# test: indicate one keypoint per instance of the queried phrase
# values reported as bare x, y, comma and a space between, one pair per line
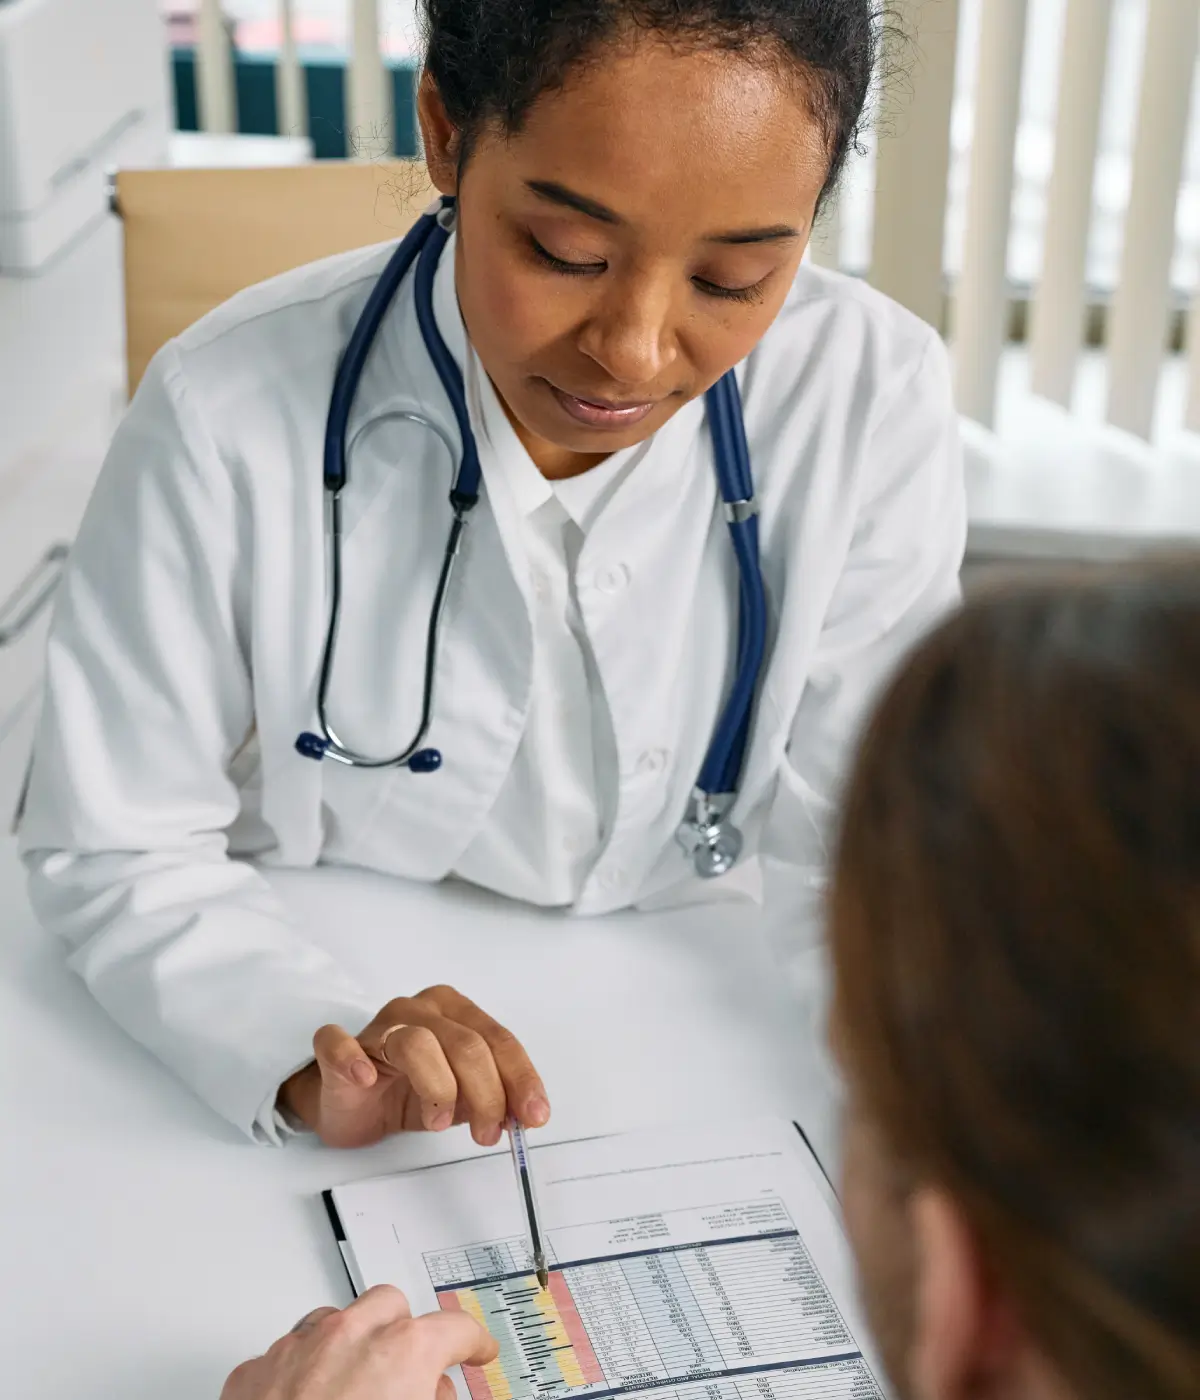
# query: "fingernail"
537, 1112
489, 1137
362, 1073
442, 1120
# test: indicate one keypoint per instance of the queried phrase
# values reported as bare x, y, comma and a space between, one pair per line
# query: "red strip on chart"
575, 1330
476, 1380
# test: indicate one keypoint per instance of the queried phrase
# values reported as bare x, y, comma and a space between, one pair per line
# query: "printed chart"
745, 1316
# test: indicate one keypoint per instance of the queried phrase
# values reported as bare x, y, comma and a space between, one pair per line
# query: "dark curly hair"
492, 59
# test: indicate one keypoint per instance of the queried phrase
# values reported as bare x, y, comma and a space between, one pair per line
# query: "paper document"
694, 1264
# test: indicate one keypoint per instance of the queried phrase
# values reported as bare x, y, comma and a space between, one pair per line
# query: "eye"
751, 294
572, 269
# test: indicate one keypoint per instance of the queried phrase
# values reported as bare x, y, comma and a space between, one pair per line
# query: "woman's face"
632, 242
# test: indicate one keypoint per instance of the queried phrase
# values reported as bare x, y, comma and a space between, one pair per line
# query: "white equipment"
83, 88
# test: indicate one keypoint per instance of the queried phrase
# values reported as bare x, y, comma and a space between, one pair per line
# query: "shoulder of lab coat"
266, 350
895, 576
186, 949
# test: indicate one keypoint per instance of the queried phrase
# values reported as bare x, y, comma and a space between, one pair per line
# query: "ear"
441, 138
950, 1323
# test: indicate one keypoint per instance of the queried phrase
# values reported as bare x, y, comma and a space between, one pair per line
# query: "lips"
602, 413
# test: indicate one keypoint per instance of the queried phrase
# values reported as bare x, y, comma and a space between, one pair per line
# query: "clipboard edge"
339, 1236
812, 1152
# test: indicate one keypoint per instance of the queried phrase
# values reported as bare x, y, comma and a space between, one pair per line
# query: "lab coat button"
541, 586
612, 579
577, 845
652, 762
611, 878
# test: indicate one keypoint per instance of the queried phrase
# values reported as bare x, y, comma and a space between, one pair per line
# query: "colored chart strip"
484, 1382
544, 1347
581, 1347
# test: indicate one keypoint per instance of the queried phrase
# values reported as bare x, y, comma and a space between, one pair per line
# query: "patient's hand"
448, 1063
373, 1350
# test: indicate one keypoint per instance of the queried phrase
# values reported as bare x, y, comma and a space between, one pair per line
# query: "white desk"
1053, 487
148, 1249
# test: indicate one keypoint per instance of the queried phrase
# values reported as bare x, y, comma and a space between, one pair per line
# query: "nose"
631, 333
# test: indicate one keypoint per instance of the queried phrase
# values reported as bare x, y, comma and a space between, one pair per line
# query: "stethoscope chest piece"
708, 836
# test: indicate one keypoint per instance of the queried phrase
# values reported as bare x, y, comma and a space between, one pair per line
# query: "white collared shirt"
546, 829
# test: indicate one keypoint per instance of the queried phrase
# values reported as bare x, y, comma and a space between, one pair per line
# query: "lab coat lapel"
289, 544
392, 561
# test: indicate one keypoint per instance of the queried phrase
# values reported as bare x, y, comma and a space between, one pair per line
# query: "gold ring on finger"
383, 1040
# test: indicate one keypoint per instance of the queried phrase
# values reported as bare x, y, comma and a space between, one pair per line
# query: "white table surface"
147, 1248
1058, 488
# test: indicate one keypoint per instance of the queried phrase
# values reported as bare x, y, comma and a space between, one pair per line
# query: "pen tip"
543, 1277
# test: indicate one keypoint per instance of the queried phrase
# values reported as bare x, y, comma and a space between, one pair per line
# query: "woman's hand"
449, 1063
373, 1350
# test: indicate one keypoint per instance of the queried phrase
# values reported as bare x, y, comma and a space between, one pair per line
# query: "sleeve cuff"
273, 1125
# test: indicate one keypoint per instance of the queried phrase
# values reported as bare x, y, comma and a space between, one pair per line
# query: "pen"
520, 1156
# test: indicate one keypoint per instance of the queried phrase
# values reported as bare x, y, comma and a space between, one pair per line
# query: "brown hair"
1016, 931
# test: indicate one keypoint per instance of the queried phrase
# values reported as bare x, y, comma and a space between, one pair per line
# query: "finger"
312, 1318
245, 1381
344, 1063
380, 1306
479, 1093
443, 1339
445, 1389
481, 1097
417, 1054
524, 1091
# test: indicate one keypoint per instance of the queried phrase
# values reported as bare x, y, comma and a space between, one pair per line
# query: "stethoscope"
706, 833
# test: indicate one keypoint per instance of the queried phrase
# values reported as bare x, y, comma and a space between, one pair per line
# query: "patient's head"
1016, 928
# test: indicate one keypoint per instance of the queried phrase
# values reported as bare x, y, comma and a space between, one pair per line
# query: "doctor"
632, 184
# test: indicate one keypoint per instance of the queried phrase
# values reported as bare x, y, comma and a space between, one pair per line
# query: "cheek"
855, 1188
504, 303
877, 1224
723, 338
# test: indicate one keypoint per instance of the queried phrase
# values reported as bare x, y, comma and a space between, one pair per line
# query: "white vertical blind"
913, 160
290, 97
215, 94
1137, 334
1058, 306
368, 102
981, 303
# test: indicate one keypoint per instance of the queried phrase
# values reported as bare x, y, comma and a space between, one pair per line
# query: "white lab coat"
190, 620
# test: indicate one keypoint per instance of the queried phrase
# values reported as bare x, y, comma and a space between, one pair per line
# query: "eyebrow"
592, 209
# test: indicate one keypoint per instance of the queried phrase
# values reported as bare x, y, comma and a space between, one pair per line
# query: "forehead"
666, 134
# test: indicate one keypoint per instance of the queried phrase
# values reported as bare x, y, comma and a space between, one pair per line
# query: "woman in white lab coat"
636, 183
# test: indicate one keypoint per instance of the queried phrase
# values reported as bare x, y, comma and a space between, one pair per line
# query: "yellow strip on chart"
494, 1371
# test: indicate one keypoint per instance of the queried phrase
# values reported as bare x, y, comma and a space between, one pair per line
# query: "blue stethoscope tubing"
706, 832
